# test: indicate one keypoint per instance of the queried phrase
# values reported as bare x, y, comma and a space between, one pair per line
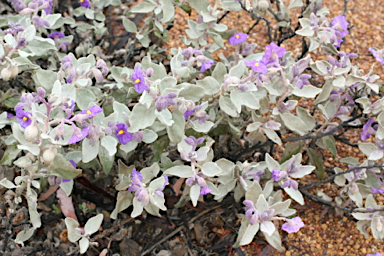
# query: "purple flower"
237, 38
377, 191
70, 110
138, 80
85, 3
9, 115
39, 23
78, 135
159, 191
18, 5
137, 178
251, 212
257, 66
101, 64
141, 193
243, 87
275, 175
303, 80
340, 24
368, 130
188, 113
192, 141
23, 117
205, 191
13, 29
56, 34
163, 102
375, 254
206, 65
121, 133
48, 10
290, 183
293, 225
377, 54
199, 180
91, 112
273, 53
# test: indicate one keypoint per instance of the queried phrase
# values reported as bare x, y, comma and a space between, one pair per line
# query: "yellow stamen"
25, 118
81, 1
137, 81
89, 112
256, 64
121, 132
237, 36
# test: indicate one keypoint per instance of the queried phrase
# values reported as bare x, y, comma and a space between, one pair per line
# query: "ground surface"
324, 233
210, 228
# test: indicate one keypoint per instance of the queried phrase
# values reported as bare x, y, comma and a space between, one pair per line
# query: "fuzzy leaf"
63, 168
194, 194
129, 25
24, 235
84, 244
123, 201
181, 171
73, 234
210, 169
317, 160
93, 224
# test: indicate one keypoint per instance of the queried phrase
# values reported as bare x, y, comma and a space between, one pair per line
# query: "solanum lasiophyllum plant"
188, 106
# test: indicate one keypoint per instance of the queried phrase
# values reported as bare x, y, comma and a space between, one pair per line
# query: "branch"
318, 136
255, 16
331, 178
222, 17
322, 201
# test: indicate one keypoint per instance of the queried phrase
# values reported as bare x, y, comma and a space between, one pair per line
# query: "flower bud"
149, 72
14, 70
31, 132
183, 108
246, 164
6, 74
51, 180
48, 155
98, 75
263, 5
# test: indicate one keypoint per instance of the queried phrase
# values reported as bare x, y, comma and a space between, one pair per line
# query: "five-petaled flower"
23, 117
293, 225
257, 66
121, 133
368, 130
340, 25
378, 54
92, 111
85, 3
78, 135
272, 53
138, 80
237, 38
